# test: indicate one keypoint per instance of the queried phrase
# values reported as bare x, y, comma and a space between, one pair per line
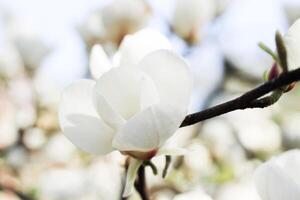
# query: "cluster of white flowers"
116, 78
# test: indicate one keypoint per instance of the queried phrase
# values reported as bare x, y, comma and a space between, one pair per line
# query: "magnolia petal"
133, 167
107, 112
99, 62
148, 129
140, 133
290, 161
292, 42
273, 183
80, 122
134, 47
171, 76
149, 93
121, 88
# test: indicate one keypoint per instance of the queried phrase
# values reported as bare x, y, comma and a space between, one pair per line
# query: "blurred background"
45, 45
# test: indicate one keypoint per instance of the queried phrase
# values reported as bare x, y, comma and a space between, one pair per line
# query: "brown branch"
248, 100
141, 185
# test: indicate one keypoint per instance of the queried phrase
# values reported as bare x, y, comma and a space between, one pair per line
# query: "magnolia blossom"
279, 178
131, 108
28, 42
115, 20
292, 43
132, 49
190, 16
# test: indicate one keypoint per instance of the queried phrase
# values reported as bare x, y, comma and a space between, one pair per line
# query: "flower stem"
141, 185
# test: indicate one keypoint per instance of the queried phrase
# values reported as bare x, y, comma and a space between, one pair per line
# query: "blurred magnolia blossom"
8, 129
105, 179
34, 138
28, 43
198, 162
59, 149
279, 177
262, 135
219, 137
17, 157
133, 109
10, 61
62, 184
22, 94
112, 22
239, 190
241, 32
132, 49
190, 17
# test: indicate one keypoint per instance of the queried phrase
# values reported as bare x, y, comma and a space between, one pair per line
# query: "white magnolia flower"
134, 109
190, 16
292, 42
279, 178
132, 49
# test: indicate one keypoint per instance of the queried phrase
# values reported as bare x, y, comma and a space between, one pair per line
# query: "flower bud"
274, 72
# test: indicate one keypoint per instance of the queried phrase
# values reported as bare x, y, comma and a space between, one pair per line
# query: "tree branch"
248, 100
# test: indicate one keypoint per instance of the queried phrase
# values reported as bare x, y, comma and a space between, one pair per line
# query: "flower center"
141, 155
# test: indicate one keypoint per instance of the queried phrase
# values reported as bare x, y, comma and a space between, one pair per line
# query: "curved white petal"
148, 129
106, 111
99, 62
273, 184
134, 47
171, 76
149, 94
80, 122
292, 41
121, 88
133, 167
278, 178
126, 90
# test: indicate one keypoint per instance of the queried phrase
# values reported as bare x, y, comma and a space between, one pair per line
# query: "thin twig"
248, 100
